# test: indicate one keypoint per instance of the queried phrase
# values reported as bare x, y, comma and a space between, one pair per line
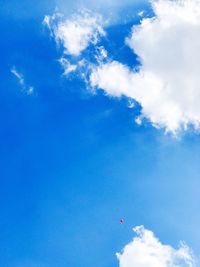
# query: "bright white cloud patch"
167, 85
76, 33
147, 251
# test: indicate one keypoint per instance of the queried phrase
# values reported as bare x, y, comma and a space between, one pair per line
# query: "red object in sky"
121, 221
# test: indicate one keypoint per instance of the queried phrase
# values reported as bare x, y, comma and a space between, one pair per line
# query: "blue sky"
74, 162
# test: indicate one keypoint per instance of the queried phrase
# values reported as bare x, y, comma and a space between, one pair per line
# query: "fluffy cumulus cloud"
77, 32
147, 251
167, 83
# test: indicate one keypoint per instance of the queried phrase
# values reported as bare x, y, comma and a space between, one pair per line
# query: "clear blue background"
73, 164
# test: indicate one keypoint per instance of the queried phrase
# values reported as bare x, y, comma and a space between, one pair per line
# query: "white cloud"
20, 77
147, 251
167, 84
101, 54
76, 33
67, 66
30, 90
141, 13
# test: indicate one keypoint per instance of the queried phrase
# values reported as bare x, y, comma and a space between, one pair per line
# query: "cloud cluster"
147, 251
167, 84
76, 33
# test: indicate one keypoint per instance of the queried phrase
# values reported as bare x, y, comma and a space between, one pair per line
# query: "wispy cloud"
20, 77
67, 66
77, 32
